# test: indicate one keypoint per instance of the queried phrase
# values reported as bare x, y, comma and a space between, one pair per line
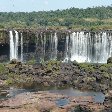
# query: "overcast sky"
40, 5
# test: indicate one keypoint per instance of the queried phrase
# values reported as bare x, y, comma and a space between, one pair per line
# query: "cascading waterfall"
11, 45
94, 47
86, 48
44, 45
102, 47
66, 49
14, 44
21, 47
53, 46
79, 47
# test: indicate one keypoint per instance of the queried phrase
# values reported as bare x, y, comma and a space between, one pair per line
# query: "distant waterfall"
44, 46
102, 47
87, 48
53, 46
14, 45
79, 47
21, 47
66, 49
12, 54
93, 47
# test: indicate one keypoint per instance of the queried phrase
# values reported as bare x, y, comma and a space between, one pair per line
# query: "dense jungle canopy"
73, 18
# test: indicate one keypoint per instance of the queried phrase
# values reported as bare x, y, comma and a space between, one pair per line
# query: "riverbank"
44, 101
83, 76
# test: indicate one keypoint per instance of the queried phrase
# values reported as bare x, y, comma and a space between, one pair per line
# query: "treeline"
73, 18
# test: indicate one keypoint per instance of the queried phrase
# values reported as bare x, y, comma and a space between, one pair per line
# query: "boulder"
109, 60
13, 61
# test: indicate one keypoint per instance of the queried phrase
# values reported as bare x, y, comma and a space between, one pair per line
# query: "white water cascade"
14, 43
87, 48
21, 47
53, 46
66, 49
79, 47
12, 54
102, 47
93, 47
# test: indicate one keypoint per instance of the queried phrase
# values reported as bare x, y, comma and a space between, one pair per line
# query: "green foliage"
50, 64
53, 66
2, 68
31, 62
87, 67
9, 81
105, 67
90, 18
106, 75
89, 79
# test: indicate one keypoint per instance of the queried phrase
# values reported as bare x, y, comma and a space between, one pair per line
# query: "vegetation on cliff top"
73, 18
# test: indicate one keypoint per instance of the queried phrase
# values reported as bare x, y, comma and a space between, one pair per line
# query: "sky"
46, 5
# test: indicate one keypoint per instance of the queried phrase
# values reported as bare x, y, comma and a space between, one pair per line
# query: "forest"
74, 18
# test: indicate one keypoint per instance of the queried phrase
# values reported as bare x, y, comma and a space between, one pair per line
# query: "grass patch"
87, 66
2, 68
31, 62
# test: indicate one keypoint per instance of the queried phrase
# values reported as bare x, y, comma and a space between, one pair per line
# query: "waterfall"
21, 47
51, 46
79, 47
44, 46
104, 47
14, 43
96, 48
66, 49
55, 45
12, 56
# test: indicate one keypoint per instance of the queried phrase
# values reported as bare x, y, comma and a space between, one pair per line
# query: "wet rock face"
81, 109
109, 60
4, 58
109, 96
4, 52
